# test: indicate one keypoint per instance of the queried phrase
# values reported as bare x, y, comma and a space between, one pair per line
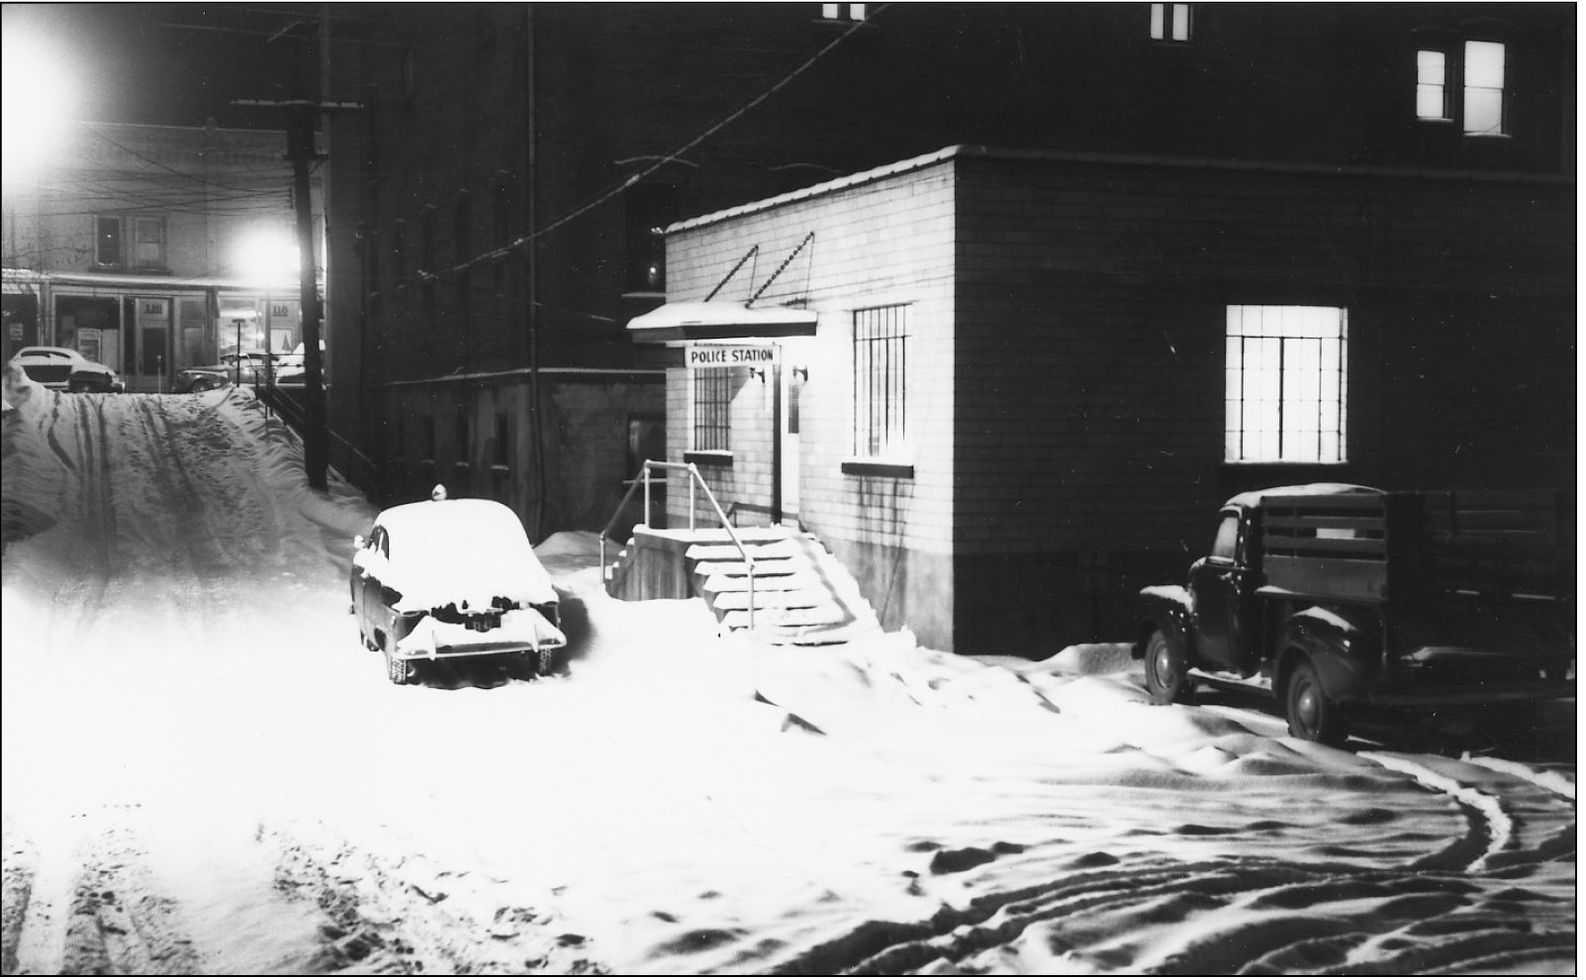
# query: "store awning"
677, 323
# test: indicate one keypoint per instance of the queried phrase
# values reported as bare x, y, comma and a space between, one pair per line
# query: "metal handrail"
695, 480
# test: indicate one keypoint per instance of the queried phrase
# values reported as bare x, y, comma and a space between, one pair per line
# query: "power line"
635, 178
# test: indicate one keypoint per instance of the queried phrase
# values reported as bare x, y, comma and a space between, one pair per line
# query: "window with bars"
713, 409
1287, 386
1170, 22
881, 339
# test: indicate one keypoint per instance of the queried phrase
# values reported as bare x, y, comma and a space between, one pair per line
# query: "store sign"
731, 355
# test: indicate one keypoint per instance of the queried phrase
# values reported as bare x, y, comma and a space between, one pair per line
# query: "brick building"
1012, 387
494, 203
149, 248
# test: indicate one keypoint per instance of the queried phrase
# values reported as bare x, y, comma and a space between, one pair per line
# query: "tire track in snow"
1490, 828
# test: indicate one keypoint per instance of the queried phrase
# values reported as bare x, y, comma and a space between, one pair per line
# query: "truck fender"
1167, 609
1334, 641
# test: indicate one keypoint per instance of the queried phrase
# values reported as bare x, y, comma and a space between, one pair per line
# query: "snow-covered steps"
802, 595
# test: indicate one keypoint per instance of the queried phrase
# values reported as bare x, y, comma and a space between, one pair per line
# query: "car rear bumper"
521, 631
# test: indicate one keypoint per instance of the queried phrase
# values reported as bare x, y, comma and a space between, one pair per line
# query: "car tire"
1312, 715
546, 663
1166, 670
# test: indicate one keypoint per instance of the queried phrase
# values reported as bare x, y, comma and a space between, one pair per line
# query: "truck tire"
397, 670
1312, 715
1166, 670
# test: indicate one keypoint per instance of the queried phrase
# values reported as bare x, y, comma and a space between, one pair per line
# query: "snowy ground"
203, 771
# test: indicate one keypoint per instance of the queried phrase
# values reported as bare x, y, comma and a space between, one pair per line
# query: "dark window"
500, 228
1170, 22
650, 208
107, 241
881, 337
427, 428
148, 243
712, 409
399, 250
462, 246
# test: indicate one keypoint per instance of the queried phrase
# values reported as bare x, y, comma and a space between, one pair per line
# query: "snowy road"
205, 772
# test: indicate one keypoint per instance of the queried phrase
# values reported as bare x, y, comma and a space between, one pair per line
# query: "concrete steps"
802, 595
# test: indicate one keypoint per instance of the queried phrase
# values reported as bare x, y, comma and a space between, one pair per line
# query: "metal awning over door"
681, 323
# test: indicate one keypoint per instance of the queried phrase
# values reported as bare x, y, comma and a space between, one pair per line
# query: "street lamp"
38, 100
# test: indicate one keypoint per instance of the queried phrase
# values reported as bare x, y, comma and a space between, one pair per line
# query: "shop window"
148, 243
712, 403
1286, 384
650, 208
881, 337
1170, 22
107, 242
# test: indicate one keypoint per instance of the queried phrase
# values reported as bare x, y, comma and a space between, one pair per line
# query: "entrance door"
793, 376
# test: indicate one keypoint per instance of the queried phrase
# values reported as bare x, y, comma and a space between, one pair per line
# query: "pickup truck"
1345, 596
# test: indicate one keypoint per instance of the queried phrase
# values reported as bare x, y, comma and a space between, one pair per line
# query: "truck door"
1218, 584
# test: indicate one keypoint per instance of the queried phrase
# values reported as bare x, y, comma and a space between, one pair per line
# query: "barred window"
881, 337
713, 409
1286, 384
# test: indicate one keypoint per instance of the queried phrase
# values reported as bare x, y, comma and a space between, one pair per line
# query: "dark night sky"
172, 63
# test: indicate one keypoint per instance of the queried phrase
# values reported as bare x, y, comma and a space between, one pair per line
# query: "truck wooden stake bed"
1345, 596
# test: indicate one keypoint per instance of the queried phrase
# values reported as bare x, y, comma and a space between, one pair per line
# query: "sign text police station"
731, 355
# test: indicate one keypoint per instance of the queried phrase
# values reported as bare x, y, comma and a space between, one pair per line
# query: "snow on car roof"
439, 520
1253, 498
65, 352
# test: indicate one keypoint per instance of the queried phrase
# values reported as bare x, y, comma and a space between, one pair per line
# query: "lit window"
1286, 385
712, 409
1484, 88
1431, 85
148, 243
843, 11
881, 337
107, 241
1170, 22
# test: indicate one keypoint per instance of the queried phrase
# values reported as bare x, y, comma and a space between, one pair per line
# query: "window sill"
1500, 137
836, 23
876, 467
643, 296
1272, 464
709, 457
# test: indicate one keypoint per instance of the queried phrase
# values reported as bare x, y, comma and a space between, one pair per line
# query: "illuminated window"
712, 409
1431, 85
1170, 22
881, 338
1286, 385
1484, 88
843, 11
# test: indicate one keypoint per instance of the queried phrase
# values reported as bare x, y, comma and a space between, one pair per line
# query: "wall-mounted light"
802, 373
758, 374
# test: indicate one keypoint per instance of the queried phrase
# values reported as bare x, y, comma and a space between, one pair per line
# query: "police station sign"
731, 355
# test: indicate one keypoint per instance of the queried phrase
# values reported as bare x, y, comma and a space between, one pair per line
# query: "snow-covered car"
453, 578
64, 369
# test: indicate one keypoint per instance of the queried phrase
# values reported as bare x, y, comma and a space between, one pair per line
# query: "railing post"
647, 493
693, 484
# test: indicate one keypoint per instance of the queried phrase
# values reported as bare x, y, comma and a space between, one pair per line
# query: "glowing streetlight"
38, 99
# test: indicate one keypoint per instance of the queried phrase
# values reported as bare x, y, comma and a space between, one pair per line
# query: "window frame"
101, 223
881, 429
1466, 88
844, 13
1167, 20
710, 398
1249, 418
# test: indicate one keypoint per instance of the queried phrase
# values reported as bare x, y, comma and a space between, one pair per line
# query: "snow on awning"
675, 323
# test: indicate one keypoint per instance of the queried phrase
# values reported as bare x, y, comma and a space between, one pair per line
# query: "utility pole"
300, 151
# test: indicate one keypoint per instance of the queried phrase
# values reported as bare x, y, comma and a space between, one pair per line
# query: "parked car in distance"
64, 369
453, 578
249, 368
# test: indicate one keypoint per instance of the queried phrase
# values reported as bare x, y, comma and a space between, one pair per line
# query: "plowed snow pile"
204, 771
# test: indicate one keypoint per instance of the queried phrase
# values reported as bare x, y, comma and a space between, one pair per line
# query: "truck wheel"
1166, 670
1312, 715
